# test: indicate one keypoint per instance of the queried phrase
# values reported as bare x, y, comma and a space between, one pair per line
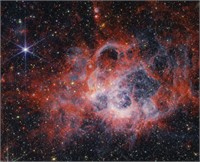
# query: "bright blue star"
26, 50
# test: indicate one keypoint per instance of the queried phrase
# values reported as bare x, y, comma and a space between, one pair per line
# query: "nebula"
100, 81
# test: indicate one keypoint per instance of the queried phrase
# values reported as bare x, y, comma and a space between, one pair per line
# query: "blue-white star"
25, 50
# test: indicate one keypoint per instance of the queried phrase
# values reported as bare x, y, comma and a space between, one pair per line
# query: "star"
25, 50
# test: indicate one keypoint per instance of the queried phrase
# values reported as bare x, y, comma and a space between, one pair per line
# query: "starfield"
94, 80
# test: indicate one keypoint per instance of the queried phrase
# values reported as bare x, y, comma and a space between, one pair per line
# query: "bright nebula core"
99, 81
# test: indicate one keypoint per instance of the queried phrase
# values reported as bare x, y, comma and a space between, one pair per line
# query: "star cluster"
97, 80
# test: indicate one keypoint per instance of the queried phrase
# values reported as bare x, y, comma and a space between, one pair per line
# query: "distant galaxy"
100, 81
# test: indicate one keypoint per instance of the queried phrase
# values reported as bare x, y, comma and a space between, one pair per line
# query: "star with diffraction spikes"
25, 50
